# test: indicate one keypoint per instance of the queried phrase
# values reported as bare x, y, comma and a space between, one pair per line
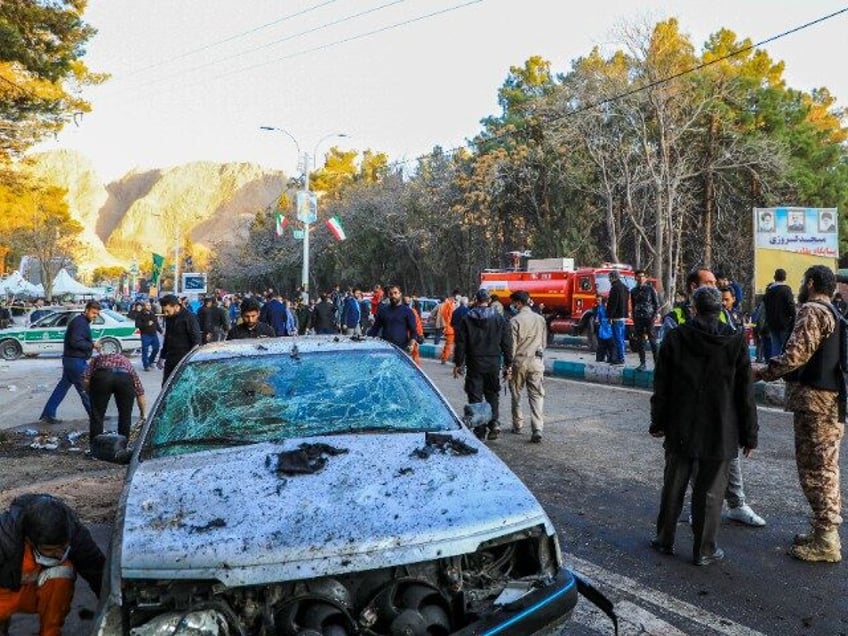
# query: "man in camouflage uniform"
815, 393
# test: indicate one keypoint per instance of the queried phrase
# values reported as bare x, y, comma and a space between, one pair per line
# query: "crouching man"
42, 548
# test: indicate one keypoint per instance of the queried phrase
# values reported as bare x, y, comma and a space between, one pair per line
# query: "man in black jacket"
483, 341
250, 326
646, 305
75, 354
779, 304
149, 328
213, 320
182, 334
42, 547
617, 312
703, 404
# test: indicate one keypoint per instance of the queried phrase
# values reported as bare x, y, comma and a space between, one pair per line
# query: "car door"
98, 328
43, 336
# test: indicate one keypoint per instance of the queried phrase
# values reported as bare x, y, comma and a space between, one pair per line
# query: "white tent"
64, 285
19, 286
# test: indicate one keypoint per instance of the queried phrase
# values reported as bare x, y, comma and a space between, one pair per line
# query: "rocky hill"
150, 211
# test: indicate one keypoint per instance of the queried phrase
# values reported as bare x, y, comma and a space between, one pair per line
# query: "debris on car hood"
307, 459
364, 510
444, 443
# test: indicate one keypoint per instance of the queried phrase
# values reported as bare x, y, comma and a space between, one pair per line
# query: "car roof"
286, 345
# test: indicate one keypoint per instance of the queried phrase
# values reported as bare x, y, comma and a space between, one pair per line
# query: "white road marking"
632, 620
605, 579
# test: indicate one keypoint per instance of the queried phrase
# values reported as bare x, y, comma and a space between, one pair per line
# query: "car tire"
10, 349
110, 345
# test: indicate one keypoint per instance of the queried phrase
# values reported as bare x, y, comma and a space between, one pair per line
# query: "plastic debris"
45, 442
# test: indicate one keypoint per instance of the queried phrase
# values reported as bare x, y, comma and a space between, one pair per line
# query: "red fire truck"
564, 293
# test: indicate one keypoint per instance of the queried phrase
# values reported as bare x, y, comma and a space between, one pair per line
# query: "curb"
765, 393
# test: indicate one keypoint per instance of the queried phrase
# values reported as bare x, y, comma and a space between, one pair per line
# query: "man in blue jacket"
75, 354
395, 321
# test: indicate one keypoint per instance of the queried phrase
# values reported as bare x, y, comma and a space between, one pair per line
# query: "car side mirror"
476, 415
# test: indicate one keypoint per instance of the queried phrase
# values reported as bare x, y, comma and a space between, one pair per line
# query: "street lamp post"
305, 218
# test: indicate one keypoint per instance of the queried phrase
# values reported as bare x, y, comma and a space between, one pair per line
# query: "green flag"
158, 261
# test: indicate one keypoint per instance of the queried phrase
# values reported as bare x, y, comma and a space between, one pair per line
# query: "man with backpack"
813, 364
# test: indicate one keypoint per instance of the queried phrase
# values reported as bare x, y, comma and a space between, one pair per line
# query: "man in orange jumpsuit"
419, 331
42, 548
446, 311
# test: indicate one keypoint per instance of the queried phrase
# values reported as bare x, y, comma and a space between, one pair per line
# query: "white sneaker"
744, 514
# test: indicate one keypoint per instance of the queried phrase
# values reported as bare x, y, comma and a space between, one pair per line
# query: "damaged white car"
323, 486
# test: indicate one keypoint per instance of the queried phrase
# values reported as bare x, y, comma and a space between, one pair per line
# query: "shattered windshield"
274, 397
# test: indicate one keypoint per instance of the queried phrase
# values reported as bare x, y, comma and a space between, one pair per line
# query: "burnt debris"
305, 460
443, 443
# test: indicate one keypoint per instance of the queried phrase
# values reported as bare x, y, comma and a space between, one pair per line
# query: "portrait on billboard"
796, 221
765, 222
826, 221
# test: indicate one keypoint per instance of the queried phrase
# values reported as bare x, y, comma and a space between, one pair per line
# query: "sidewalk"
570, 358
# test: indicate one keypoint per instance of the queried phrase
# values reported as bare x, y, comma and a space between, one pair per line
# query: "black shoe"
718, 555
641, 367
536, 438
480, 432
662, 548
49, 420
494, 433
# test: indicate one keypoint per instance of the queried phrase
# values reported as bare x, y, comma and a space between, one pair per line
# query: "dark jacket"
78, 342
274, 313
212, 319
779, 303
644, 301
324, 317
241, 332
483, 337
147, 324
182, 334
87, 558
703, 392
395, 323
617, 300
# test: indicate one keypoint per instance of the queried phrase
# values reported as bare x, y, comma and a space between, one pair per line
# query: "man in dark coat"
251, 326
703, 404
213, 320
42, 547
395, 321
324, 316
617, 312
75, 354
483, 340
274, 313
779, 304
182, 334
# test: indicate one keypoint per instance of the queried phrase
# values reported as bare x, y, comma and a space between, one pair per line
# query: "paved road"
598, 475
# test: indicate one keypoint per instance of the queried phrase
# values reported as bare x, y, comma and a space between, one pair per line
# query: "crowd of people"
702, 404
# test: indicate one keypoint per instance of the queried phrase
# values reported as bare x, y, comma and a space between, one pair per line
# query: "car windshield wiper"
204, 441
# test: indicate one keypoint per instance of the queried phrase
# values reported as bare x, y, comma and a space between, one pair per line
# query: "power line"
231, 38
353, 37
339, 42
272, 43
651, 85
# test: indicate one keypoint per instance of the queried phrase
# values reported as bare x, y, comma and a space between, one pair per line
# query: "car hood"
227, 515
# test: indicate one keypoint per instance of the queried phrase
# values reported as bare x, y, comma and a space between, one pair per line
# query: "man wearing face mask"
43, 546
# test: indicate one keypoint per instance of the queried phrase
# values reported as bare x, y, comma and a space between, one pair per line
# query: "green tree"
41, 71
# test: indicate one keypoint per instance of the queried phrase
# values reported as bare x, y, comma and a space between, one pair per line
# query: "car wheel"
110, 345
10, 349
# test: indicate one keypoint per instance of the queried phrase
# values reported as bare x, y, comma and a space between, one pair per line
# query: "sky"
194, 80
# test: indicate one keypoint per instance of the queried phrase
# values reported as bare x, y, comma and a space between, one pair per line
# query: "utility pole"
304, 276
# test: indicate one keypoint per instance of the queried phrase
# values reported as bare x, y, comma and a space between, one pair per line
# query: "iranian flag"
280, 223
335, 226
